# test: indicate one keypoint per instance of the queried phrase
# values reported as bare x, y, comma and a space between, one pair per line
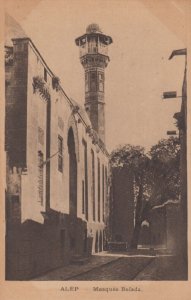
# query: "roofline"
61, 88
28, 39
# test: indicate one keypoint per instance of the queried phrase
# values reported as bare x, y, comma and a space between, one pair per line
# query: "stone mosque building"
57, 162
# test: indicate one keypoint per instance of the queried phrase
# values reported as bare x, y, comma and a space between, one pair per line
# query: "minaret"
94, 58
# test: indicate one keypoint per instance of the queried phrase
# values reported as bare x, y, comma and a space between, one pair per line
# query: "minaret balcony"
94, 60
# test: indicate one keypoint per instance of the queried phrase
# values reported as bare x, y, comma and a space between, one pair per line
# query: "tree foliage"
156, 176
165, 170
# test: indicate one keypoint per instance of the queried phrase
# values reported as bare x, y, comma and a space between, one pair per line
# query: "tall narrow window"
106, 183
103, 193
60, 153
93, 81
98, 179
85, 178
93, 185
86, 82
83, 197
40, 177
101, 82
45, 74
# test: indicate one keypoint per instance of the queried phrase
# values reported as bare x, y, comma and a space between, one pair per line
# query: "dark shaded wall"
16, 104
34, 248
173, 228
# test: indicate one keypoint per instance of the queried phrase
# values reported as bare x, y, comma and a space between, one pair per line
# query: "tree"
165, 171
137, 162
156, 177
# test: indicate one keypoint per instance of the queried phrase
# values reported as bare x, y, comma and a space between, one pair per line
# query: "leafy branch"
40, 85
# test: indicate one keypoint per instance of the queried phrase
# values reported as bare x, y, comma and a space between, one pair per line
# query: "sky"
139, 70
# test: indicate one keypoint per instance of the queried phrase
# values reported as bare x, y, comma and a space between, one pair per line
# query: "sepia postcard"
95, 149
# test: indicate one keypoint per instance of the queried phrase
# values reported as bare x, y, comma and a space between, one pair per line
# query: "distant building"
153, 234
57, 162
